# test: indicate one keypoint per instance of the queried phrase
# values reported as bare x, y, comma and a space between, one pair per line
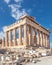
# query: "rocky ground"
27, 56
43, 61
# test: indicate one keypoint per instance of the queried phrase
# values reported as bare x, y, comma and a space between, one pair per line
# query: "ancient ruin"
26, 32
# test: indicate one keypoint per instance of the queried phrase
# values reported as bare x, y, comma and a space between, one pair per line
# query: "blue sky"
12, 10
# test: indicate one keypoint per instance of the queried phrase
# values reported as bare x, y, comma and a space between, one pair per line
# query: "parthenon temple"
26, 32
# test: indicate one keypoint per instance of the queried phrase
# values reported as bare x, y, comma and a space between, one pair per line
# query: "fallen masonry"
21, 56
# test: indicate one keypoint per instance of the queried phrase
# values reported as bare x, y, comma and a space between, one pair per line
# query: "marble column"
15, 42
10, 43
35, 38
6, 44
20, 35
25, 35
30, 35
3, 42
41, 39
46, 41
49, 41
38, 41
48, 44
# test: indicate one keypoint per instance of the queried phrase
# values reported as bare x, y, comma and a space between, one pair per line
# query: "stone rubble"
12, 57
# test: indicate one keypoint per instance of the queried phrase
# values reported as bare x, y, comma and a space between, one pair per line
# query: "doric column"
3, 42
48, 39
10, 43
20, 35
38, 41
25, 35
41, 39
6, 44
29, 35
15, 37
44, 40
35, 37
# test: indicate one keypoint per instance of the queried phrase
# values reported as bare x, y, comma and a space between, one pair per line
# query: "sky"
12, 10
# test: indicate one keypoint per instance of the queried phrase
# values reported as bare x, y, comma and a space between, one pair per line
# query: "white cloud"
18, 14
14, 7
7, 1
15, 10
2, 33
17, 0
4, 28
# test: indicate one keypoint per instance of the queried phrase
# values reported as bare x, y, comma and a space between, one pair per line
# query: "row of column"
20, 36
42, 39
